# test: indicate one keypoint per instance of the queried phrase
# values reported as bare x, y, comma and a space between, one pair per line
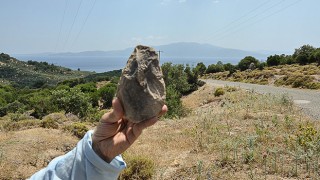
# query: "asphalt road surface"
308, 100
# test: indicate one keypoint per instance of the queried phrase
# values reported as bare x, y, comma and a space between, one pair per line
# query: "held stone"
141, 89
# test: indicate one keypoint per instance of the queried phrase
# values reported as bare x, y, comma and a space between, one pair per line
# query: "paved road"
308, 100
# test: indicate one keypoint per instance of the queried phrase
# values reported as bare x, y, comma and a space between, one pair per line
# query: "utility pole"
159, 52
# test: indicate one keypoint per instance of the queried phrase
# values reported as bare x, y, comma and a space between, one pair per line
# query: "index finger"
115, 115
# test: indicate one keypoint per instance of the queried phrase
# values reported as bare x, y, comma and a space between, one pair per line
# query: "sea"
100, 64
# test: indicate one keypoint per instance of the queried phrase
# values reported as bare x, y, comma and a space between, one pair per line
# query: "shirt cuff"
116, 165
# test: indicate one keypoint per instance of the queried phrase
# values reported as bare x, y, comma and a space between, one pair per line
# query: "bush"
245, 63
23, 124
107, 93
49, 124
139, 167
219, 92
77, 129
53, 120
174, 103
73, 101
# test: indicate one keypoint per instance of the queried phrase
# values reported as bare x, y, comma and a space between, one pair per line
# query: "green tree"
303, 55
214, 68
200, 68
175, 76
90, 89
245, 63
316, 56
72, 101
174, 103
273, 60
229, 67
107, 93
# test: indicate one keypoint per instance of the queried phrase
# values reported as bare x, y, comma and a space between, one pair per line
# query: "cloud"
216, 1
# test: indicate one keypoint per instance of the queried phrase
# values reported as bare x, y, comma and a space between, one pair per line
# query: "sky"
37, 26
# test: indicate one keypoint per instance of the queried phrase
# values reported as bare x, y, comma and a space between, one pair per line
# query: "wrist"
96, 148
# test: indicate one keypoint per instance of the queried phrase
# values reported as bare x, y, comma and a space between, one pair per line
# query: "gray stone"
141, 89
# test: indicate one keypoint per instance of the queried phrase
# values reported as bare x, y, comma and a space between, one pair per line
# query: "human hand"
114, 134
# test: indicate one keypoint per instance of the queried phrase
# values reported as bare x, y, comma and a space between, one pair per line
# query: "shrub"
219, 92
77, 129
139, 167
245, 63
107, 93
49, 124
174, 103
73, 101
23, 124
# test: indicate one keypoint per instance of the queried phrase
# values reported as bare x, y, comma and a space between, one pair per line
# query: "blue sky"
36, 26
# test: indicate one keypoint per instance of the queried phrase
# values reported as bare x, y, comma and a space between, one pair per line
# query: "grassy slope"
22, 74
307, 76
241, 135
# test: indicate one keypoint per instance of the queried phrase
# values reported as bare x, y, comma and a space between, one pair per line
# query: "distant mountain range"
180, 49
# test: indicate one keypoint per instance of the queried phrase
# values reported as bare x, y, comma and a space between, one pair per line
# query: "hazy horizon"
74, 26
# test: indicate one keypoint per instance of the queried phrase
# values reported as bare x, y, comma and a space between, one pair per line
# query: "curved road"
308, 100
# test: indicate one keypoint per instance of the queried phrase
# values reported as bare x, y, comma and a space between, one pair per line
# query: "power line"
84, 22
241, 17
226, 33
263, 18
64, 13
74, 20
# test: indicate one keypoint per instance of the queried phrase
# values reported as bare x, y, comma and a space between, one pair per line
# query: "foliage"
306, 135
316, 56
33, 74
72, 101
303, 55
200, 68
175, 76
179, 81
19, 125
214, 68
174, 103
49, 124
107, 94
229, 67
77, 129
274, 60
296, 81
219, 92
90, 89
245, 63
139, 167
105, 76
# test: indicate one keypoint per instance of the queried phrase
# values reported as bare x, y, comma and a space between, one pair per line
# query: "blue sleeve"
81, 163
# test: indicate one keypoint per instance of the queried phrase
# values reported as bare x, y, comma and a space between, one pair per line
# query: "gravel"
307, 100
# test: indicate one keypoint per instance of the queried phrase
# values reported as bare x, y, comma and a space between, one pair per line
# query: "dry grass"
24, 152
242, 135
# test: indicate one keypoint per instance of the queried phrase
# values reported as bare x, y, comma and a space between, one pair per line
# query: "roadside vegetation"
299, 70
236, 134
208, 133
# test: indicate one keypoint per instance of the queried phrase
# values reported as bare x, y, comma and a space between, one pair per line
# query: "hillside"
34, 74
239, 135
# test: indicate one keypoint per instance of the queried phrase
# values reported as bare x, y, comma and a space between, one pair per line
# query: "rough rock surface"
141, 89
